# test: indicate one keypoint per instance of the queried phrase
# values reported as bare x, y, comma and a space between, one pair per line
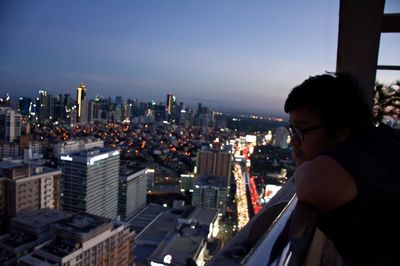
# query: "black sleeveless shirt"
366, 230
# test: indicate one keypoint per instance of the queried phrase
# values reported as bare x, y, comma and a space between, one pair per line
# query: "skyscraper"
82, 104
213, 163
25, 106
171, 107
119, 100
132, 193
211, 192
58, 107
281, 138
96, 109
43, 106
169, 103
90, 182
10, 124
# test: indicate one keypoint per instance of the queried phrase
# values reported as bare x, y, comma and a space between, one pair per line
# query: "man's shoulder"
322, 166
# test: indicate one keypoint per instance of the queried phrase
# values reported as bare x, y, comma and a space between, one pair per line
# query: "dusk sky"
236, 55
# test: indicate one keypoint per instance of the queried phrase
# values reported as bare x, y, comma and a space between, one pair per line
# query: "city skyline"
227, 54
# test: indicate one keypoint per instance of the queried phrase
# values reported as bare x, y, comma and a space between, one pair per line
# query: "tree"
386, 107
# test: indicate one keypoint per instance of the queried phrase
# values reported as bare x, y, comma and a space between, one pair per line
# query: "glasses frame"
298, 133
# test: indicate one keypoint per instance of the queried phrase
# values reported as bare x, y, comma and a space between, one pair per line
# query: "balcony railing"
283, 233
286, 242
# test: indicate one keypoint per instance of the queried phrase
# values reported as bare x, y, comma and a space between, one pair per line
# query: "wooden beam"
360, 26
386, 67
391, 22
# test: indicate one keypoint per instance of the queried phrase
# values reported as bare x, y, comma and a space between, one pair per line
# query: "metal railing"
286, 242
279, 235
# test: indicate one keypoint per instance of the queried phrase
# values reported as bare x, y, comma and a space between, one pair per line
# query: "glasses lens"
295, 133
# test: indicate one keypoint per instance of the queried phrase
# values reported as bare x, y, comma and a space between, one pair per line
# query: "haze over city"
234, 55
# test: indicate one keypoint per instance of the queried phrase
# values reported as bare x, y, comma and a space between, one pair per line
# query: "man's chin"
297, 159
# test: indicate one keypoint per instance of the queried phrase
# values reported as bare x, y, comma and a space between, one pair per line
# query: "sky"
227, 54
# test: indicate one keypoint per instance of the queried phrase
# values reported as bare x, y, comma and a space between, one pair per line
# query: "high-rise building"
5, 101
75, 145
67, 100
135, 109
96, 109
67, 105
187, 182
85, 240
90, 182
43, 106
160, 112
25, 106
119, 100
10, 124
82, 104
213, 163
61, 106
72, 115
58, 104
171, 107
29, 188
9, 150
281, 138
126, 112
132, 193
213, 169
211, 192
170, 98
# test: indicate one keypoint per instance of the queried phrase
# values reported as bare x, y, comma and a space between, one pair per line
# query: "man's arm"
324, 184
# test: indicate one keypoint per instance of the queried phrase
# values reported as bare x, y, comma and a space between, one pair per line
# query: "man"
348, 169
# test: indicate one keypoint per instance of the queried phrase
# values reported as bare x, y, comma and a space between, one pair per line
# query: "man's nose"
295, 142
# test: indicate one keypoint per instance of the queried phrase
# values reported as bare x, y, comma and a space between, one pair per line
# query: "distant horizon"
192, 104
227, 54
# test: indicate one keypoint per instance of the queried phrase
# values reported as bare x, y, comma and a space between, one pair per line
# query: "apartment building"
85, 239
132, 193
27, 187
90, 182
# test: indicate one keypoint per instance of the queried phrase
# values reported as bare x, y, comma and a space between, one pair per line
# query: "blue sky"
238, 55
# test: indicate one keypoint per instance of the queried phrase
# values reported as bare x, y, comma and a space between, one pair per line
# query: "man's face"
312, 137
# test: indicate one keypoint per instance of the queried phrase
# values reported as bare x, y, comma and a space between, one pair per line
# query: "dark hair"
336, 97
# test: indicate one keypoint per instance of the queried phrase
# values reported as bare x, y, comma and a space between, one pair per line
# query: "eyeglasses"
297, 134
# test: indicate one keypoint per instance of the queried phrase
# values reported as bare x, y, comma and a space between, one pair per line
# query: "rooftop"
90, 152
82, 226
180, 248
90, 156
155, 232
6, 255
218, 181
15, 239
129, 174
166, 233
38, 219
16, 170
143, 218
60, 247
204, 215
32, 259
